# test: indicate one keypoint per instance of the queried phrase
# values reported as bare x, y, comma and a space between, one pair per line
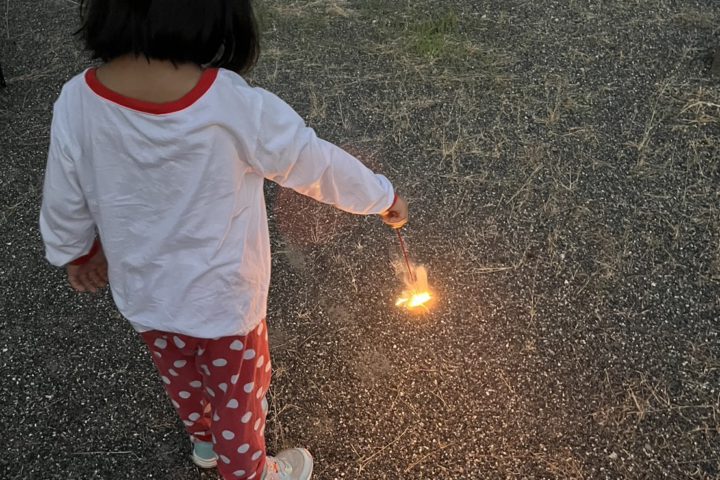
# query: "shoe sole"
311, 462
204, 462
308, 464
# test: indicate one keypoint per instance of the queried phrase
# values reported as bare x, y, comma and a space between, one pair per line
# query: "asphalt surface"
562, 164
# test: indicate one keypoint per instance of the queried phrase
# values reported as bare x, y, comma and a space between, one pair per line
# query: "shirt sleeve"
290, 154
66, 225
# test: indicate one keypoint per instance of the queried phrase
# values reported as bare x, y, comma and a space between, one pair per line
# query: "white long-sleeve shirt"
175, 192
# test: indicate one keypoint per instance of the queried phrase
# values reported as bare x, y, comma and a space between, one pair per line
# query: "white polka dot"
178, 342
165, 380
158, 354
173, 372
249, 354
264, 405
179, 363
257, 424
194, 416
259, 393
188, 423
205, 369
175, 404
228, 435
232, 404
196, 384
252, 476
246, 418
262, 431
184, 394
210, 391
243, 448
260, 361
214, 440
257, 455
225, 459
249, 387
239, 473
236, 345
267, 367
216, 417
234, 379
161, 343
223, 387
201, 351
260, 328
219, 362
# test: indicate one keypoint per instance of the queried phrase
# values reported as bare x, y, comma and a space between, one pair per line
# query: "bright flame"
416, 294
415, 300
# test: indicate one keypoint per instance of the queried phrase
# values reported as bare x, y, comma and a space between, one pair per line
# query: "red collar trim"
206, 80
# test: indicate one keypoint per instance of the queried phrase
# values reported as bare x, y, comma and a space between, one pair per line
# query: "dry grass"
643, 400
338, 8
545, 179
278, 408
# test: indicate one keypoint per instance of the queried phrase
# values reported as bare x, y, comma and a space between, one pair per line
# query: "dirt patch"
371, 366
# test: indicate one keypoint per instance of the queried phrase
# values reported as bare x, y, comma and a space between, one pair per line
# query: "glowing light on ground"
417, 295
415, 300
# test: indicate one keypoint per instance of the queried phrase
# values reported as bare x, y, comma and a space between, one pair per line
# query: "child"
154, 183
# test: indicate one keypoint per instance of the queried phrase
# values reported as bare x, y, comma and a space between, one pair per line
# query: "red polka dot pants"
218, 388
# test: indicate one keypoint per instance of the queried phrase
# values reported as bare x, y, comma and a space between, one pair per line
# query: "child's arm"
66, 225
290, 153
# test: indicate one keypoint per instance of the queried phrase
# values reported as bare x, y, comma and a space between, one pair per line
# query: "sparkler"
416, 294
405, 255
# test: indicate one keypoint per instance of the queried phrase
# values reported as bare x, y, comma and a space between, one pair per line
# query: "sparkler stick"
405, 255
416, 295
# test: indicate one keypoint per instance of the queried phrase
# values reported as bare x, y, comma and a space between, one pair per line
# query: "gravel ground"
562, 163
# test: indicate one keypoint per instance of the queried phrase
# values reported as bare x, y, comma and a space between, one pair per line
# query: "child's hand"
397, 215
90, 276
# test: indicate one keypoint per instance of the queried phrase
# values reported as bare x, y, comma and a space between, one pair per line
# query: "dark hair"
218, 33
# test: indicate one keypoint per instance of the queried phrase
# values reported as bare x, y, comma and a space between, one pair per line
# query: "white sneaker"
291, 464
203, 455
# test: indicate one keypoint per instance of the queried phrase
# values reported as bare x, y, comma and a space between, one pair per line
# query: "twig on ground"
363, 462
528, 181
421, 460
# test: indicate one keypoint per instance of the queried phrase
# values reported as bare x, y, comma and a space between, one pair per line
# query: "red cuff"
86, 258
393, 203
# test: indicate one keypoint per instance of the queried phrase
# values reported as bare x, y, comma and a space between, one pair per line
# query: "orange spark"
416, 295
